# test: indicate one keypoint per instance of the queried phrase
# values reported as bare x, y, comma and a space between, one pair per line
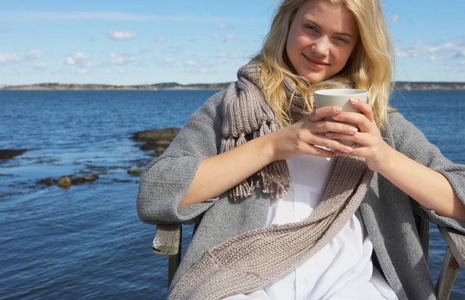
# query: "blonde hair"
369, 68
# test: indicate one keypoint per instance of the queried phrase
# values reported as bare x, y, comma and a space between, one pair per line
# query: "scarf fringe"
247, 114
274, 178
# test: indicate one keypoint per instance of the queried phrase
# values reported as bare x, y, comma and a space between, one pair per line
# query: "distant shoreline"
106, 87
400, 85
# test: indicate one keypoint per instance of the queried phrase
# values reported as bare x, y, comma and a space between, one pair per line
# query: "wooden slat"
173, 264
423, 231
456, 243
447, 276
167, 240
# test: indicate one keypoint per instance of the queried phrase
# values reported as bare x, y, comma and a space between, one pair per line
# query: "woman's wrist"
385, 163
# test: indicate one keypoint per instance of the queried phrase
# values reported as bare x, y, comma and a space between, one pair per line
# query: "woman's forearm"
220, 173
426, 186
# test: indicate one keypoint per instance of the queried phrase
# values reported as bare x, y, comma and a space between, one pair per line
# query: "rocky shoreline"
6, 154
156, 140
153, 142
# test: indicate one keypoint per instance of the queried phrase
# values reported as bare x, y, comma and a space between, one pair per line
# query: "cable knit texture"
246, 115
249, 261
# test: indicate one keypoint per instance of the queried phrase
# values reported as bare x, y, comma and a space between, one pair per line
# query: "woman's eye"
312, 28
341, 39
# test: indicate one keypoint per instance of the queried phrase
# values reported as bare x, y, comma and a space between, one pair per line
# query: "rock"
145, 135
10, 153
134, 172
84, 179
64, 182
47, 181
67, 181
159, 150
10, 194
156, 139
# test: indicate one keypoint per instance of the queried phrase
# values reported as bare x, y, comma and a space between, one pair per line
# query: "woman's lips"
315, 62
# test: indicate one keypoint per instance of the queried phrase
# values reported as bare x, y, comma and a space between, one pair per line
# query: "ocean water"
87, 241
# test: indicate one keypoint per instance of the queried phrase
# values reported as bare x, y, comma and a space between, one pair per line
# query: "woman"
280, 217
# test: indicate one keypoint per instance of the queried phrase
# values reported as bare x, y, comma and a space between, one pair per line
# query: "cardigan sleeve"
166, 180
409, 140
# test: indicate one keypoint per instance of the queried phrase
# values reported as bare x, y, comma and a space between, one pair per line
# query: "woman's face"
321, 39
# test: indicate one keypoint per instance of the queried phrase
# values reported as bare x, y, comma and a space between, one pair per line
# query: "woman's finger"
324, 112
356, 119
331, 126
365, 108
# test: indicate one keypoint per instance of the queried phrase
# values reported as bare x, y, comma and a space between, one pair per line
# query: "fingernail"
337, 109
353, 130
349, 149
353, 100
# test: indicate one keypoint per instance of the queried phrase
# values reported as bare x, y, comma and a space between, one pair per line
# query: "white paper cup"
340, 97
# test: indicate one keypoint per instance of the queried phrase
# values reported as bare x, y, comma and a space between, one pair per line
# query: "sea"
86, 242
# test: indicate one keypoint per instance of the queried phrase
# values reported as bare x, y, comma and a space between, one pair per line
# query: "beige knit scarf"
249, 261
247, 115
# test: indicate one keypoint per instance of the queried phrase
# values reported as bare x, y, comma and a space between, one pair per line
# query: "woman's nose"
321, 46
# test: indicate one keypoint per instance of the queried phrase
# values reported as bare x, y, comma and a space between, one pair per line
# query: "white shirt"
343, 268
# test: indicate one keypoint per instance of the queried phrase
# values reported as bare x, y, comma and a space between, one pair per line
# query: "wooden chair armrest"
456, 243
167, 240
453, 260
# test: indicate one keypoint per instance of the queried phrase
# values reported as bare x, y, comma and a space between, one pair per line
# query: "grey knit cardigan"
387, 212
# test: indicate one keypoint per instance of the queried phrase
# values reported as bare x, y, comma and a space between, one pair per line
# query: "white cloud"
34, 54
27, 16
230, 39
191, 63
122, 35
160, 40
394, 19
174, 49
8, 58
11, 58
83, 71
215, 36
4, 29
79, 59
438, 51
224, 58
122, 58
40, 65
165, 61
224, 27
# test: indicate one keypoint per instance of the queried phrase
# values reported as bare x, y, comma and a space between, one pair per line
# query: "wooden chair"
167, 241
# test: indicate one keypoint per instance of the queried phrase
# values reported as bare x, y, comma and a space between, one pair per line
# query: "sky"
204, 41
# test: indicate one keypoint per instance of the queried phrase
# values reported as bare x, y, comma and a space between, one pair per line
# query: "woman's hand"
370, 143
219, 173
428, 187
305, 136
